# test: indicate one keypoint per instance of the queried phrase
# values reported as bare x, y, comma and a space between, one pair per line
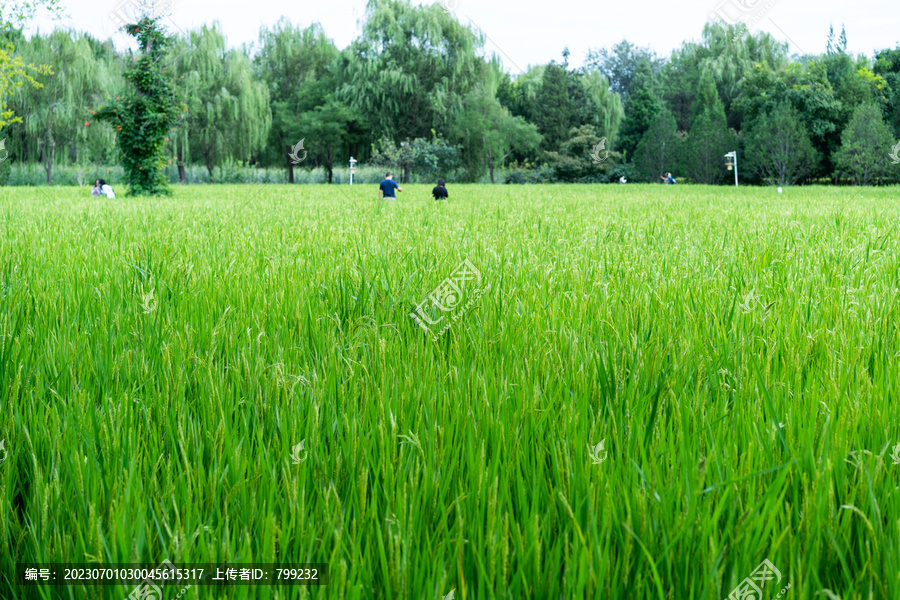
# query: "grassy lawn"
736, 351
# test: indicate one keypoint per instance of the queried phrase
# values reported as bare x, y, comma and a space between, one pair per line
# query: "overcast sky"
524, 32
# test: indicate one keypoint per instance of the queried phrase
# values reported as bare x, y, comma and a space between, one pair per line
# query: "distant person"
668, 179
440, 192
96, 193
387, 187
106, 189
622, 179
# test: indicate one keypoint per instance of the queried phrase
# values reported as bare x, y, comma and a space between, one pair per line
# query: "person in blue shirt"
387, 187
668, 179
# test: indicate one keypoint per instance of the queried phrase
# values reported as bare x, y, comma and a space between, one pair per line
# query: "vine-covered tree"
143, 116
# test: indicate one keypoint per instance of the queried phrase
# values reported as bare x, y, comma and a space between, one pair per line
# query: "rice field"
635, 391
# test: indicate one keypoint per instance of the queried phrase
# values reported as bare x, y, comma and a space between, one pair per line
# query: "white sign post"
352, 168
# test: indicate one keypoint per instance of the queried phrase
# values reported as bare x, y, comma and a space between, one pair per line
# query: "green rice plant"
736, 351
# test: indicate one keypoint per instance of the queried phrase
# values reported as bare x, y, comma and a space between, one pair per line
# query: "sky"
531, 32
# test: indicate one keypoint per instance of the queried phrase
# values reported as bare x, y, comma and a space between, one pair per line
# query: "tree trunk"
179, 160
47, 158
287, 157
209, 166
329, 163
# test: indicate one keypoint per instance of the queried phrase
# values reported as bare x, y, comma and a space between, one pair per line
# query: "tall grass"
737, 350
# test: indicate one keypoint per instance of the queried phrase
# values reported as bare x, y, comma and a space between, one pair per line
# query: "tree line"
420, 93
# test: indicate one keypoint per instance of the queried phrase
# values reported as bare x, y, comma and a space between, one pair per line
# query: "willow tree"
602, 107
14, 71
410, 68
226, 115
57, 116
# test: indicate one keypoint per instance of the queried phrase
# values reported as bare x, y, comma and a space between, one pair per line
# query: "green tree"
725, 53
597, 105
144, 115
490, 134
778, 148
642, 109
625, 65
227, 116
410, 68
865, 147
808, 90
887, 65
709, 137
14, 71
293, 62
660, 148
58, 116
577, 159
553, 112
329, 128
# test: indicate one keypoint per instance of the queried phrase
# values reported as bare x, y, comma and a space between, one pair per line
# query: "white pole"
735, 169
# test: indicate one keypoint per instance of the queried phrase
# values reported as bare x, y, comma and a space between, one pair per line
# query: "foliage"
626, 67
866, 144
58, 120
659, 150
575, 160
778, 148
225, 112
15, 73
298, 66
427, 158
709, 138
145, 114
553, 111
642, 109
417, 72
410, 68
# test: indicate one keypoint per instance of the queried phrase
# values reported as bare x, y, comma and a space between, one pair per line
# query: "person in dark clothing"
440, 192
387, 187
